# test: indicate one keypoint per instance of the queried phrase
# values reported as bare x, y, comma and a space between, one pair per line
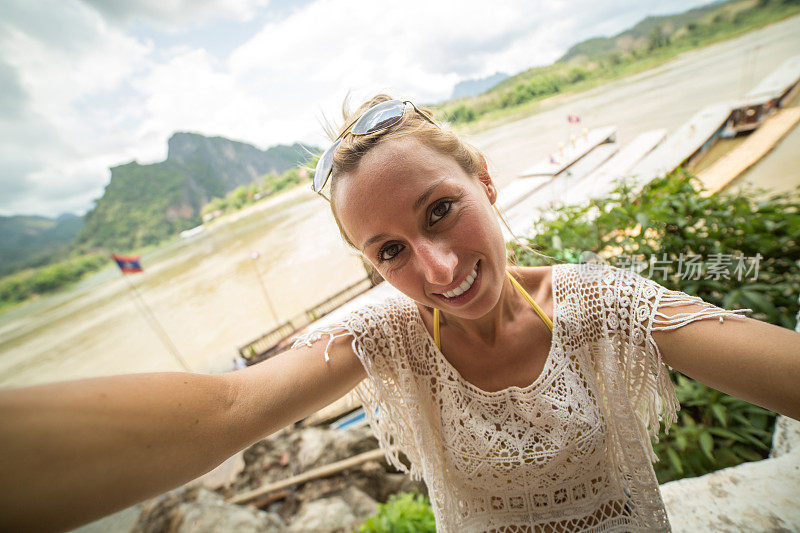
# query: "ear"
486, 181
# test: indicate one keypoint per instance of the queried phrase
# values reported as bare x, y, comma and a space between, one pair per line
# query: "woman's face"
426, 225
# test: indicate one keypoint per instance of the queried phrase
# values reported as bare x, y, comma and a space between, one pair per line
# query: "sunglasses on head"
375, 119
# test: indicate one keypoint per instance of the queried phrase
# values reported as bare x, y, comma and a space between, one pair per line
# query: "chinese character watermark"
716, 266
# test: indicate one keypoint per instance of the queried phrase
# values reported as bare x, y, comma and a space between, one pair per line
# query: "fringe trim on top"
308, 338
660, 400
382, 403
662, 322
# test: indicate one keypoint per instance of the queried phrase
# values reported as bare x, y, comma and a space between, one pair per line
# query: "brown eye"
387, 253
440, 210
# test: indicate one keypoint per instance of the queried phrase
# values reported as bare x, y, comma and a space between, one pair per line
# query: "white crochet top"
571, 451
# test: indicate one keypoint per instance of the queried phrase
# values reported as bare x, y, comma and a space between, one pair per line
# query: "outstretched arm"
71, 452
752, 360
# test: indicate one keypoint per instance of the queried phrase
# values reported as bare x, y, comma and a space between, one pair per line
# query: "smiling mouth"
465, 285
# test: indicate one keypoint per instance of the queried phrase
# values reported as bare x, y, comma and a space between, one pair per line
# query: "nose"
437, 261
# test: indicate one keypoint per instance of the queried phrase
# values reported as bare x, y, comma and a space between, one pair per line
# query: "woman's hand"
752, 360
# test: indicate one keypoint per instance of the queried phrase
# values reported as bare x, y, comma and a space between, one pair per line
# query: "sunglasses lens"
379, 117
323, 168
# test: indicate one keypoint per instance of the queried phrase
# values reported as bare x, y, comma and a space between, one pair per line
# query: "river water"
206, 293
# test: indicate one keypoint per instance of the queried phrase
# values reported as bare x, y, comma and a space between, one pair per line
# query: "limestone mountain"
143, 204
476, 86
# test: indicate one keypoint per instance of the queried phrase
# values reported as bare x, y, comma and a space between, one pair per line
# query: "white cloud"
420, 49
192, 91
61, 59
170, 13
89, 92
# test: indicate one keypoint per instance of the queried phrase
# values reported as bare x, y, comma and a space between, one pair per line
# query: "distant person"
525, 397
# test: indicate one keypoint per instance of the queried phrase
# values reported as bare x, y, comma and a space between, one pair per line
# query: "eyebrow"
373, 239
417, 204
426, 193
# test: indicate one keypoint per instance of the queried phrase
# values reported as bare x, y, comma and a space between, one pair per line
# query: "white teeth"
465, 285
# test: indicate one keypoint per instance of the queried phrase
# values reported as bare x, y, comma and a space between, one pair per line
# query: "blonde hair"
441, 139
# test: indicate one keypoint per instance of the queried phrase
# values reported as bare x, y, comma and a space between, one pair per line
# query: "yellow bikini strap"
535, 306
437, 338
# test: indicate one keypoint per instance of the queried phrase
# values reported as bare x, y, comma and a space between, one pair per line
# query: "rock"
760, 496
293, 451
269, 459
320, 446
756, 497
197, 509
379, 481
327, 515
211, 513
786, 437
360, 503
342, 508
352, 495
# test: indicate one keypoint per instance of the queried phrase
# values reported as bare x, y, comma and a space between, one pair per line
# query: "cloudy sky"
90, 84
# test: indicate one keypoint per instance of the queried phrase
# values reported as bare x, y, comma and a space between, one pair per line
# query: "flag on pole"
573, 119
128, 264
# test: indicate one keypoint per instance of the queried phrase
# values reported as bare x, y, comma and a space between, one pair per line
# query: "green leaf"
719, 413
727, 434
743, 420
755, 442
675, 460
748, 454
730, 299
707, 444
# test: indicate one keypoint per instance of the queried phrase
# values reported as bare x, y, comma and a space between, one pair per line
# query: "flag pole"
254, 256
156, 325
129, 265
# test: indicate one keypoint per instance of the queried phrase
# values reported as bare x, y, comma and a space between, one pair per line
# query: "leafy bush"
245, 195
671, 220
460, 113
406, 512
715, 431
18, 287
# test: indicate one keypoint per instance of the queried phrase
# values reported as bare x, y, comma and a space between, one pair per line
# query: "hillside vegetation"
30, 241
144, 204
245, 195
647, 44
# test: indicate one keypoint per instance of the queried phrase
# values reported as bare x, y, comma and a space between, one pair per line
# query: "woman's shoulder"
384, 315
544, 281
538, 281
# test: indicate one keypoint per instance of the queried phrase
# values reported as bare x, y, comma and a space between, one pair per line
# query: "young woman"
526, 398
